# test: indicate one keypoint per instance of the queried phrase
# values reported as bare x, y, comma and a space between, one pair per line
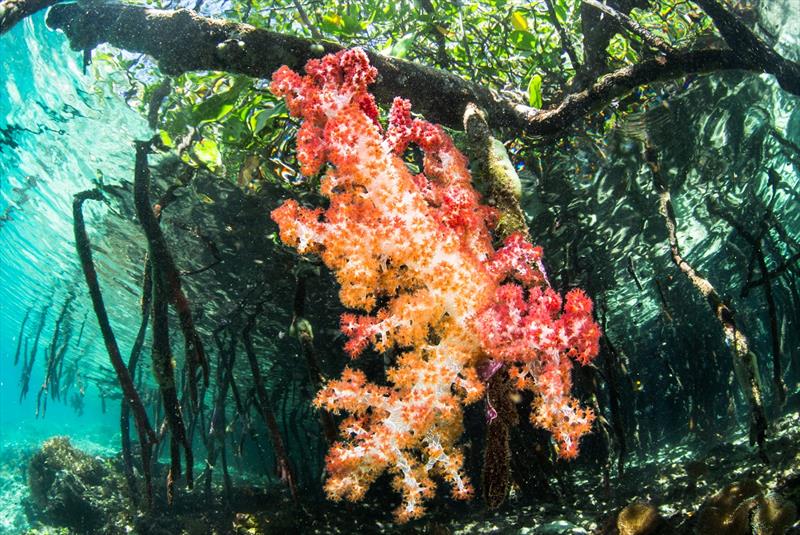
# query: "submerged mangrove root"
55, 356
775, 337
302, 329
166, 288
501, 416
215, 442
755, 242
30, 359
285, 471
743, 359
165, 273
610, 365
133, 360
21, 334
146, 435
495, 170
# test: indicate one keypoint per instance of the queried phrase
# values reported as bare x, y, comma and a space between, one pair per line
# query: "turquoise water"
62, 131
56, 138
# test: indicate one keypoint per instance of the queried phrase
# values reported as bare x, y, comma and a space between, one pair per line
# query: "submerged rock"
723, 511
636, 518
639, 519
13, 488
773, 515
743, 508
70, 488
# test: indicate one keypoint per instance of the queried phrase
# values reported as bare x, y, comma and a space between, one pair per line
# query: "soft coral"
415, 253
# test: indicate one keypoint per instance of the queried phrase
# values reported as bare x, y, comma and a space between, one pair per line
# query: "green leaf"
351, 24
523, 39
332, 22
166, 139
219, 105
259, 120
535, 91
610, 123
207, 152
519, 22
618, 47
262, 118
233, 132
352, 20
561, 12
402, 46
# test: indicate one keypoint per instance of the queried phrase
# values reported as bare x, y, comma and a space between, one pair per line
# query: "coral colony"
414, 253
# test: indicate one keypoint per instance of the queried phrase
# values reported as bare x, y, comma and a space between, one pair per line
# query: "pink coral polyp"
414, 254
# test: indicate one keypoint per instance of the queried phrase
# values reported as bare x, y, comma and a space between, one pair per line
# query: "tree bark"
183, 41
13, 11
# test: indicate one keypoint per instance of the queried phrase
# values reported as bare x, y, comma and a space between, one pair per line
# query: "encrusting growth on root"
744, 361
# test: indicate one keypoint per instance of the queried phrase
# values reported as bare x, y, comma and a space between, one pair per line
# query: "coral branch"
415, 253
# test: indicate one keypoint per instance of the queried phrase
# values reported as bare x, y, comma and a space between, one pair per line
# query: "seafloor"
685, 488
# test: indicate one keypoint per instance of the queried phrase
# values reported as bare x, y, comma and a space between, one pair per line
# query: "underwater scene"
413, 267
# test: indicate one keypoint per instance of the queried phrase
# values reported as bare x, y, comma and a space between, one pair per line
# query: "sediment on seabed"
687, 488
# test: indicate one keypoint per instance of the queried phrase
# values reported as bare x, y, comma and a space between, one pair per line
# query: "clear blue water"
62, 130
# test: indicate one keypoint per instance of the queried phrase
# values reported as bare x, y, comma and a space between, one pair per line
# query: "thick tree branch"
13, 11
620, 82
750, 47
184, 41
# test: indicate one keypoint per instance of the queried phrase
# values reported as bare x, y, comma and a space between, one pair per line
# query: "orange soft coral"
420, 246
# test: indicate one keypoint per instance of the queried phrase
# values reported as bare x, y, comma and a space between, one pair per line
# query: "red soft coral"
415, 254
519, 260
